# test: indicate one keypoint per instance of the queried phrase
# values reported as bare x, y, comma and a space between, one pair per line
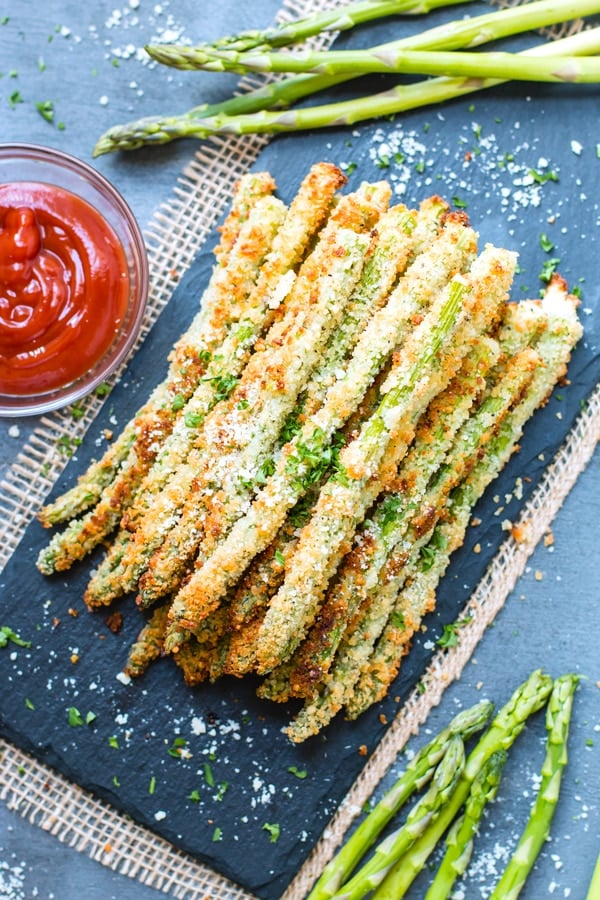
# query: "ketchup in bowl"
73, 279
64, 287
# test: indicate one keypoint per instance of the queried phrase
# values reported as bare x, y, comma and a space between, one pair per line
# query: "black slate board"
477, 154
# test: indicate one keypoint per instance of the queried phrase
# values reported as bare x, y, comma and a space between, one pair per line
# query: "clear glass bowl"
28, 162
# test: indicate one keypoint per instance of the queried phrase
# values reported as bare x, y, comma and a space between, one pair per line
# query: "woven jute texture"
80, 820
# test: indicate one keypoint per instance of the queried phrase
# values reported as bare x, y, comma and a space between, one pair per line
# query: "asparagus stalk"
507, 66
360, 568
420, 817
356, 651
537, 829
148, 645
341, 18
391, 58
388, 255
450, 36
303, 454
249, 113
417, 773
459, 841
594, 888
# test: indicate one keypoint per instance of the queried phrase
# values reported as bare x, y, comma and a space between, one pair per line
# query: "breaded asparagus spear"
305, 216
360, 569
241, 434
229, 291
292, 477
430, 358
248, 190
407, 530
554, 346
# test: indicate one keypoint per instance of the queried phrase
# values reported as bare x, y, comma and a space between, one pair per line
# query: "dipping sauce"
64, 287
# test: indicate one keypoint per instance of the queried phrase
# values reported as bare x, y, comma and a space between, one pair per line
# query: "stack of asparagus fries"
288, 499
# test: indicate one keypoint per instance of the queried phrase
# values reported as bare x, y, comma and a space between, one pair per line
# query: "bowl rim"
48, 401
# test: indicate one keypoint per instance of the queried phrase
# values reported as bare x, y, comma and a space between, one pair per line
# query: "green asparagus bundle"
433, 52
454, 802
417, 773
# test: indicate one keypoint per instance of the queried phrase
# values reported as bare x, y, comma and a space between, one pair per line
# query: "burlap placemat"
75, 817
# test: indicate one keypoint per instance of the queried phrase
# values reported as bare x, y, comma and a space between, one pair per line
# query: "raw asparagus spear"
420, 817
159, 130
417, 773
341, 18
255, 531
249, 189
537, 829
227, 295
459, 841
594, 888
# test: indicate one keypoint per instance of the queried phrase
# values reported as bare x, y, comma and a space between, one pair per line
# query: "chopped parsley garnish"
46, 110
152, 785
194, 796
217, 835
274, 831
542, 177
549, 268
546, 244
28, 703
103, 389
299, 773
350, 168
208, 775
192, 419
177, 403
74, 717
8, 635
113, 742
66, 445
77, 410
14, 99
459, 203
178, 748
449, 636
222, 790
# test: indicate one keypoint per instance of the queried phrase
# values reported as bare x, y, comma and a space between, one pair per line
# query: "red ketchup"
64, 287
